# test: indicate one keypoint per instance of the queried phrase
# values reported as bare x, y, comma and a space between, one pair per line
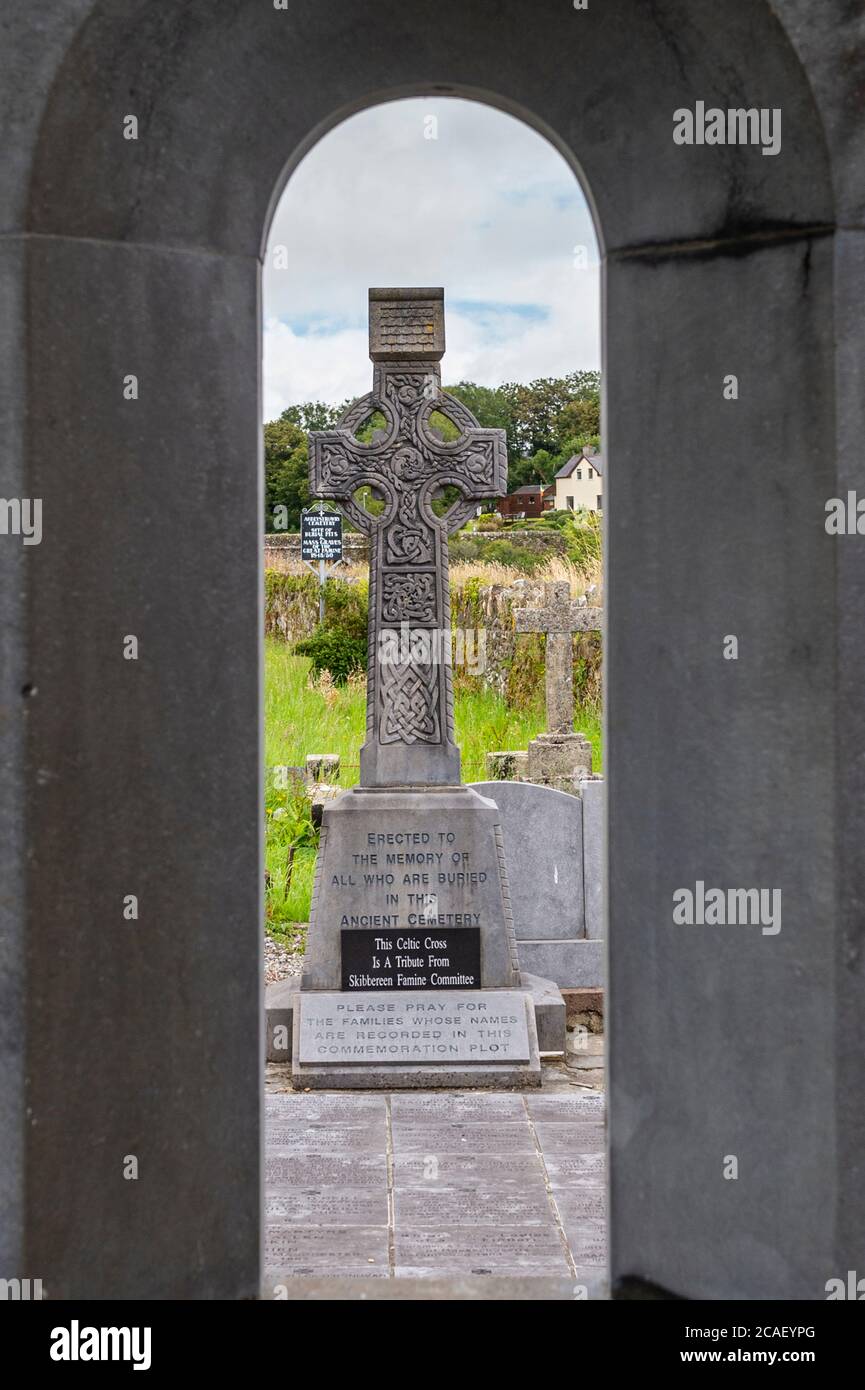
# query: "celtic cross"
409, 726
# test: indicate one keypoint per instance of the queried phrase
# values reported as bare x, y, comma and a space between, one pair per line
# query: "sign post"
321, 544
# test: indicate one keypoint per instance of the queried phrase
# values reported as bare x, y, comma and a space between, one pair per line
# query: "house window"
589, 473
579, 474
570, 502
600, 503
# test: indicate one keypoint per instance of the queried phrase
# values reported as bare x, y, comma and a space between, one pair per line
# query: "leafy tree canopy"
545, 422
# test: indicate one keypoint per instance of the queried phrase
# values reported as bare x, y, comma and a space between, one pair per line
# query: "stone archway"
141, 258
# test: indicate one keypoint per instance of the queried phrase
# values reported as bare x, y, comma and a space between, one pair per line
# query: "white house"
580, 483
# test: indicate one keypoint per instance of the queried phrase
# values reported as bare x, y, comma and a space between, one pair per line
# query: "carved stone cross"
409, 734
560, 618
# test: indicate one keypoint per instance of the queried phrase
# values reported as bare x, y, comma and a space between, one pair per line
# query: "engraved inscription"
418, 1029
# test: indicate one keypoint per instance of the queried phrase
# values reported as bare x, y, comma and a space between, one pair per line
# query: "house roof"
527, 487
593, 461
567, 468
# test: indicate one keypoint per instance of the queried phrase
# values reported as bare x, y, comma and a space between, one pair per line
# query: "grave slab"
571, 1138
326, 1206
494, 1206
576, 1169
491, 1138
457, 1108
543, 836
312, 1170
566, 1109
471, 1248
325, 1137
469, 1170
298, 1249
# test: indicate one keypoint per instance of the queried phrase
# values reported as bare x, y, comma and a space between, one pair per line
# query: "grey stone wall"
282, 549
144, 778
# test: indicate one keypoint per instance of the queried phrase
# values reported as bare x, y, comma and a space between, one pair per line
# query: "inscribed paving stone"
467, 1247
587, 1240
571, 1138
497, 1205
327, 1206
329, 1109
313, 1170
469, 1170
566, 1109
490, 1138
575, 1203
447, 1108
328, 1248
496, 1272
327, 1138
575, 1170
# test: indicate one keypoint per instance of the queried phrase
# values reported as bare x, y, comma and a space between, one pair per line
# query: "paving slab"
330, 1249
575, 1170
451, 1109
300, 1170
327, 1206
491, 1138
587, 1241
471, 1249
565, 1109
571, 1138
469, 1170
575, 1203
434, 1205
426, 1186
326, 1137
326, 1109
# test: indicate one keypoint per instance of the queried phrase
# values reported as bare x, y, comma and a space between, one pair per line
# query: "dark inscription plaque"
425, 958
320, 536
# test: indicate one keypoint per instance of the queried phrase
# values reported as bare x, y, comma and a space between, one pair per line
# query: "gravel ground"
279, 962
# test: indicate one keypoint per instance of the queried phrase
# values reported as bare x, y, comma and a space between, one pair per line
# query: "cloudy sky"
487, 208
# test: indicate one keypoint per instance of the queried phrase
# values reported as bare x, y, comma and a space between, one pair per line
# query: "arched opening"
422, 191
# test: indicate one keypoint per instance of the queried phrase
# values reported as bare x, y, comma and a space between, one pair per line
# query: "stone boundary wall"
282, 548
514, 665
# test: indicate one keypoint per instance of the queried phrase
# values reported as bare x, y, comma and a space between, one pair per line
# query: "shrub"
336, 650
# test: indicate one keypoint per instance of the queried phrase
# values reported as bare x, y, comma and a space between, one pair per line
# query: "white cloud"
489, 209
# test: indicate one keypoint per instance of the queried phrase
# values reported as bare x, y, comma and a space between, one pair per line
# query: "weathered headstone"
412, 976
553, 850
560, 754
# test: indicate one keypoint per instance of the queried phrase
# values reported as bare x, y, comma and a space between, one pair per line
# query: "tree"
286, 470
312, 415
538, 411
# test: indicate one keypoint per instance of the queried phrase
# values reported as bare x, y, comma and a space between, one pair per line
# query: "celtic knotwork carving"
409, 704
407, 596
407, 464
408, 545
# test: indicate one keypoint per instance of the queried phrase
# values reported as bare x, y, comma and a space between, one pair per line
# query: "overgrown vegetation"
339, 644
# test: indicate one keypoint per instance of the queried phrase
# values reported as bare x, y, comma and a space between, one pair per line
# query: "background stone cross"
409, 735
560, 618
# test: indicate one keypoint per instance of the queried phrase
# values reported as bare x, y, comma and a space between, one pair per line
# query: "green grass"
301, 720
